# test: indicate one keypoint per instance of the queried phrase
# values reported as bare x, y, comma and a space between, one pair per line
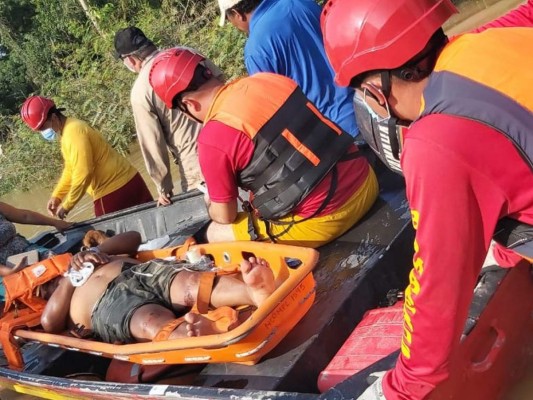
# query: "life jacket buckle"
247, 207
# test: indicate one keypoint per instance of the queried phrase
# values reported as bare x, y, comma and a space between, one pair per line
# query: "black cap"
129, 40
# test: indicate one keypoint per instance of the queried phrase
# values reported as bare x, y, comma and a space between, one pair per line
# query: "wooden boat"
354, 274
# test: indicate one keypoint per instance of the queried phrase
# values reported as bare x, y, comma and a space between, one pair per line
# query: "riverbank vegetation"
59, 49
64, 50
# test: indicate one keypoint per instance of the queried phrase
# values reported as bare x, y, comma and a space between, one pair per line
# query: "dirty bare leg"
254, 289
256, 286
259, 284
149, 319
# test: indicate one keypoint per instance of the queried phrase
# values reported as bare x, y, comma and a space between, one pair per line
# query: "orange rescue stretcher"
245, 344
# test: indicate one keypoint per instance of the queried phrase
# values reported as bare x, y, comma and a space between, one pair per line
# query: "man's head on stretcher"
122, 300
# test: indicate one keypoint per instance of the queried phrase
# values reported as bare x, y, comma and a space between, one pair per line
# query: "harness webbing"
293, 152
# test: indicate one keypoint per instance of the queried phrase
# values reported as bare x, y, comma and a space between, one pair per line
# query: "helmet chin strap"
189, 114
197, 119
393, 121
386, 83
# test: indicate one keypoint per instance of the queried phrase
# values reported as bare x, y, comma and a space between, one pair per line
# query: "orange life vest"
295, 146
21, 285
20, 288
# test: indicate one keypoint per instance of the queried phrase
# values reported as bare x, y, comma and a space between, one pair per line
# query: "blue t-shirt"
285, 38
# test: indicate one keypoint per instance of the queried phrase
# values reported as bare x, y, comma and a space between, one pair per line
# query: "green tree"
14, 86
53, 48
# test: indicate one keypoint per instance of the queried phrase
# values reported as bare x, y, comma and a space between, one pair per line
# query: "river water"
37, 198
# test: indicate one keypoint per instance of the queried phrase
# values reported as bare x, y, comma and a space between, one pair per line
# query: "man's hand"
88, 256
62, 213
52, 205
62, 225
5, 270
164, 200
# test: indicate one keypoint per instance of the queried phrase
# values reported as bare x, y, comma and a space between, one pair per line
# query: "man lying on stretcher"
125, 301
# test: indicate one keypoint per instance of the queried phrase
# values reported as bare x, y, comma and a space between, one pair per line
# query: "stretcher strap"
224, 318
205, 288
166, 330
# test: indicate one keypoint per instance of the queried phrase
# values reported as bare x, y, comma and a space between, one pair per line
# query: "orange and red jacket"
467, 164
459, 86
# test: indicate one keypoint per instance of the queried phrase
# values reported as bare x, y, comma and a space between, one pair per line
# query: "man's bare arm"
55, 314
123, 243
223, 213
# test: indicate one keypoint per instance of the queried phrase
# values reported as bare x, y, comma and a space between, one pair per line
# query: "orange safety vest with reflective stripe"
295, 146
479, 85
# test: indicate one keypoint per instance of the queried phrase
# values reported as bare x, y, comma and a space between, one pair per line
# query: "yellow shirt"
91, 165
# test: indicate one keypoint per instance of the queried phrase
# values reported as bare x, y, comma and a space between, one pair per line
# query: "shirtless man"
125, 301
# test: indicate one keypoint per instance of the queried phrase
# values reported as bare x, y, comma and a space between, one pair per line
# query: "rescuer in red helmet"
261, 133
91, 164
467, 157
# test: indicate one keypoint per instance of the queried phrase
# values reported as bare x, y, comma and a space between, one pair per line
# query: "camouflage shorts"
136, 286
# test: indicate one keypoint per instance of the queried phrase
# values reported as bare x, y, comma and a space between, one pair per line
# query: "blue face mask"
49, 134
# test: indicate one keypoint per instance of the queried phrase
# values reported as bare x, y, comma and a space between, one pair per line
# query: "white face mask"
374, 114
129, 65
49, 134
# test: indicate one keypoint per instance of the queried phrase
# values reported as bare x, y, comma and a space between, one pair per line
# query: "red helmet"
35, 110
365, 35
172, 72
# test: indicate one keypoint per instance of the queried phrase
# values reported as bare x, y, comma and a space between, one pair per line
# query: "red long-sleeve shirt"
461, 177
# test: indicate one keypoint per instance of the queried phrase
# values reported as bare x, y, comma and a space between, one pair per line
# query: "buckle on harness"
247, 207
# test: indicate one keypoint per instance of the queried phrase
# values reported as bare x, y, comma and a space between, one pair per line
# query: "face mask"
384, 135
129, 66
49, 134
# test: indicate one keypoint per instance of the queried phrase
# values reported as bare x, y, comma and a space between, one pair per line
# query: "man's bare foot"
221, 320
259, 279
198, 325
